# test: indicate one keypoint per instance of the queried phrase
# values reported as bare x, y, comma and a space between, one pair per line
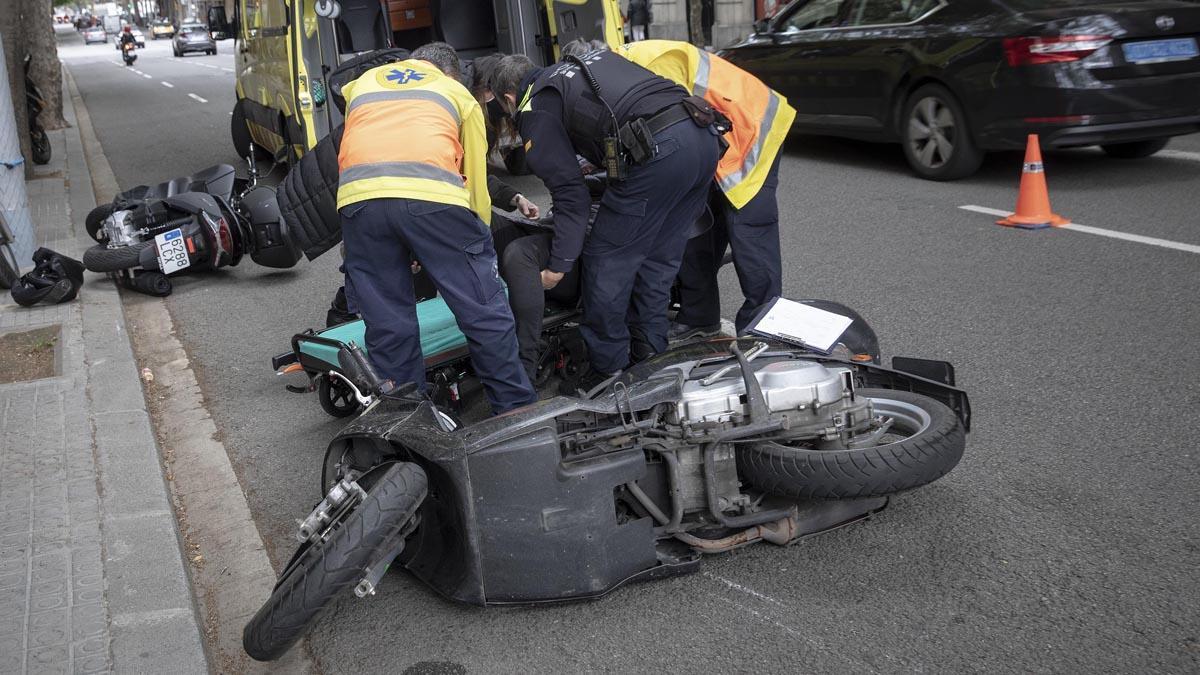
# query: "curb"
152, 616
228, 564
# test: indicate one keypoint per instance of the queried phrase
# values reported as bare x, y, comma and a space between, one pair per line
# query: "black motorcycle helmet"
55, 278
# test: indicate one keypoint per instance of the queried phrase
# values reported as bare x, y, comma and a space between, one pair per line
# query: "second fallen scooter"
200, 222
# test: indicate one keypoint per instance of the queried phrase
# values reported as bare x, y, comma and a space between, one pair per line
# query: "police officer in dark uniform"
660, 153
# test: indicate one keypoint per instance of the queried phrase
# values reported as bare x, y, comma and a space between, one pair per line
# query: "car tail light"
1028, 51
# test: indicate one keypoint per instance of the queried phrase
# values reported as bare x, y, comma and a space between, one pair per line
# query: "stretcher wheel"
336, 397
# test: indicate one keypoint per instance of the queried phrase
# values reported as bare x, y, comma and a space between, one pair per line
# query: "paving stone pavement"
92, 578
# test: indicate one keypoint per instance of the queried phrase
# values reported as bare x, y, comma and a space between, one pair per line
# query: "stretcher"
443, 345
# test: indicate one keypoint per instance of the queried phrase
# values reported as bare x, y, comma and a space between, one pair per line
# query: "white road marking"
137, 71
202, 100
738, 587
168, 84
228, 70
1179, 154
147, 76
1087, 229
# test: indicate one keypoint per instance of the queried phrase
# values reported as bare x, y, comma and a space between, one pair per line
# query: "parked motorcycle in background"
39, 142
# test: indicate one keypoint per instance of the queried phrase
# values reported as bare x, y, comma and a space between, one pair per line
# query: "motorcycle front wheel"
100, 258
925, 441
334, 564
39, 144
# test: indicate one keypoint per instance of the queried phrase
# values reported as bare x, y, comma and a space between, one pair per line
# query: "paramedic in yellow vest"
413, 187
746, 213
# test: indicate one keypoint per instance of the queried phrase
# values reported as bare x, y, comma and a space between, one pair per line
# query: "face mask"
495, 110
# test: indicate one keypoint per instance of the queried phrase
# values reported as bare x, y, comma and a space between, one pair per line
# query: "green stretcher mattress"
439, 334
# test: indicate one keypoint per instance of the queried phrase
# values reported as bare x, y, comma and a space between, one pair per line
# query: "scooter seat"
215, 180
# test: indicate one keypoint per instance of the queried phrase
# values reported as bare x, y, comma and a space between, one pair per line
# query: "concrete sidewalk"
92, 576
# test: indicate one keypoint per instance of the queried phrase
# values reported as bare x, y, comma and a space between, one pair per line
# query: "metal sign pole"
14, 203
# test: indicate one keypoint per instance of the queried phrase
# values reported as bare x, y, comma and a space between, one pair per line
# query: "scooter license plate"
172, 251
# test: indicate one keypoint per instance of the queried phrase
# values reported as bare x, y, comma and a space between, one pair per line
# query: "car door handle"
808, 52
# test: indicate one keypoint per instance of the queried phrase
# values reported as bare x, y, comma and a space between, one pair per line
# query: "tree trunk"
695, 22
46, 69
14, 49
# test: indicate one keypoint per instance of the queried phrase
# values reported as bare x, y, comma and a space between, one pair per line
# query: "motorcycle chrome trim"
340, 499
363, 399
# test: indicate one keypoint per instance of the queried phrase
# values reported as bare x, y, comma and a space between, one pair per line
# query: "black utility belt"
634, 142
637, 135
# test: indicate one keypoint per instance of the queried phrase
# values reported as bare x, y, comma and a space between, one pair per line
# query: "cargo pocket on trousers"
485, 275
619, 220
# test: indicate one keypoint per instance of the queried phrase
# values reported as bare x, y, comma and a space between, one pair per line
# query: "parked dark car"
194, 38
951, 79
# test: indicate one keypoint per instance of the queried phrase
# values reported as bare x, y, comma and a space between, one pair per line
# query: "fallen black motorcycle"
200, 222
35, 103
705, 448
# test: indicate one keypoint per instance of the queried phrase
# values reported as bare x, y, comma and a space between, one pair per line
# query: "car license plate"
1160, 51
172, 251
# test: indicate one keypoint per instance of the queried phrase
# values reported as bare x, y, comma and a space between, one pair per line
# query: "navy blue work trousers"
633, 251
753, 233
454, 247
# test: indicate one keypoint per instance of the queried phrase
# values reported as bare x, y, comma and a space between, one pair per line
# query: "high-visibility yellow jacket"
412, 132
761, 116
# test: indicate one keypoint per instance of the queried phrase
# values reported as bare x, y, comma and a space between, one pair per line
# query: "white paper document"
801, 324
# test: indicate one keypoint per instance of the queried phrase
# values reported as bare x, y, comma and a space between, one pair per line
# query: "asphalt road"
1065, 541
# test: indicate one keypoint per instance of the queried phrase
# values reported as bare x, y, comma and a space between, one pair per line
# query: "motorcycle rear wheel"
39, 145
94, 223
100, 258
931, 443
334, 565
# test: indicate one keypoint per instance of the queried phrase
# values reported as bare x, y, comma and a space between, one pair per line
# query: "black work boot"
681, 331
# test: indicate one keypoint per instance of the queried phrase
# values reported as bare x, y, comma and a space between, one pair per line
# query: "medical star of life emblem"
397, 76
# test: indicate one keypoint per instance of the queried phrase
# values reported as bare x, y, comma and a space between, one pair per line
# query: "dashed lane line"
1087, 229
202, 100
147, 76
167, 84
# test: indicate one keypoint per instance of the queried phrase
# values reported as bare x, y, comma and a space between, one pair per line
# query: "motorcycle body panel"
511, 519
217, 225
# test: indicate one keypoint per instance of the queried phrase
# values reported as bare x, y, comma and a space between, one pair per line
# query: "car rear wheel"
935, 134
1134, 149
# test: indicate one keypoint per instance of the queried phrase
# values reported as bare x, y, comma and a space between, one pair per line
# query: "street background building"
734, 19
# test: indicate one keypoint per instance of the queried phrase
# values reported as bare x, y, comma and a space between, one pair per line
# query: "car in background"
94, 34
162, 28
951, 79
194, 37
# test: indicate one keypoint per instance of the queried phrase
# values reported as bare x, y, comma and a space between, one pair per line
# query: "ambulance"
285, 49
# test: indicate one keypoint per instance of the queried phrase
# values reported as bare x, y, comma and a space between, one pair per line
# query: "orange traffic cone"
1033, 201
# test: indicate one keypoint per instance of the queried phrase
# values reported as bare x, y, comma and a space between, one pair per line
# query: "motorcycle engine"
121, 228
817, 398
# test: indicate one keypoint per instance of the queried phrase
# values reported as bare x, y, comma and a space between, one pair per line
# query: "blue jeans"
454, 247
